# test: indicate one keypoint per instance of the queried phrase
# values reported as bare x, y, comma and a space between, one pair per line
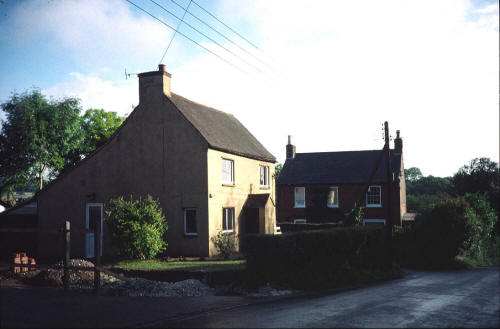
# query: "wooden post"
97, 254
66, 231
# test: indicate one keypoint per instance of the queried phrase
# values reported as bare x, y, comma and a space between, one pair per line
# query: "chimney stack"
290, 149
398, 143
153, 84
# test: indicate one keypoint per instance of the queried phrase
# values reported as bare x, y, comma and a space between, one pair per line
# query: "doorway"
93, 215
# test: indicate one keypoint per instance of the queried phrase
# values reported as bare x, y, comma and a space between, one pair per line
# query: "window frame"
295, 197
224, 220
374, 205
185, 226
266, 176
232, 172
338, 201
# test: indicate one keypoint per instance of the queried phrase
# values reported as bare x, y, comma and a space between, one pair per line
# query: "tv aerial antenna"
128, 75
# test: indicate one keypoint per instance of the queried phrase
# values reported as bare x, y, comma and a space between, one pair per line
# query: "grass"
161, 265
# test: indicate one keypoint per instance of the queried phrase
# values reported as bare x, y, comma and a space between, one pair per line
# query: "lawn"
199, 266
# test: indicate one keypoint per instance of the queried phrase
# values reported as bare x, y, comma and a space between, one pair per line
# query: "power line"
206, 36
185, 36
235, 32
221, 34
180, 23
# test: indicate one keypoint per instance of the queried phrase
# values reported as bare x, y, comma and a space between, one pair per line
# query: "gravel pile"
144, 287
267, 290
79, 279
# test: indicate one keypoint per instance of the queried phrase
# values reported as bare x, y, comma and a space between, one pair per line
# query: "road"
469, 298
422, 299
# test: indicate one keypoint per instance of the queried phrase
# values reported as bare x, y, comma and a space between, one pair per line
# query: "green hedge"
296, 227
315, 259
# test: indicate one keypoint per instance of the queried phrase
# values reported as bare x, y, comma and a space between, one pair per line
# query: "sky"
328, 73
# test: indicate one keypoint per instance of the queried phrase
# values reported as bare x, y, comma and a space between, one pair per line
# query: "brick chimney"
290, 149
398, 143
153, 84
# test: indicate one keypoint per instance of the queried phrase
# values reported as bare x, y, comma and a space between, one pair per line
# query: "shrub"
295, 227
137, 227
355, 216
313, 259
456, 227
225, 244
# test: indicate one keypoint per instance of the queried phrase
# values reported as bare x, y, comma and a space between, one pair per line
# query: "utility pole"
389, 192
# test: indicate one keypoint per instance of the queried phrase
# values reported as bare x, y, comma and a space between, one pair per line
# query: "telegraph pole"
389, 197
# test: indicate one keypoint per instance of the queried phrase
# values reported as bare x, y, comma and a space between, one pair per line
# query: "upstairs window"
227, 171
300, 197
333, 197
227, 220
373, 196
190, 222
264, 176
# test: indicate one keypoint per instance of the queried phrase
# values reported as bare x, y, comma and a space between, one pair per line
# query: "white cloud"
95, 92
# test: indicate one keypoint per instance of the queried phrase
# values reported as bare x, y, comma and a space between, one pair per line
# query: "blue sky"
340, 68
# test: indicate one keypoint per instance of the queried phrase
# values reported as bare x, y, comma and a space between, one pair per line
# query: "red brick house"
324, 186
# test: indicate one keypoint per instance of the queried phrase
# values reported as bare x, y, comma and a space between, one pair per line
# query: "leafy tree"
480, 175
137, 227
428, 191
277, 171
36, 137
413, 174
98, 126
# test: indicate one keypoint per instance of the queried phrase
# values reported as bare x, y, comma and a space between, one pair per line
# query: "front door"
93, 215
251, 220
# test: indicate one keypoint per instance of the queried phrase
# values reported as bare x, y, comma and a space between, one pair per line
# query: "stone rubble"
144, 287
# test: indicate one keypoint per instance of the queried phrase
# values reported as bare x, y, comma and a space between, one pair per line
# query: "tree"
36, 137
479, 175
98, 126
413, 174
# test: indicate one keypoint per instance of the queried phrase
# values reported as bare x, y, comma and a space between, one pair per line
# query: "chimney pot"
162, 68
290, 149
398, 143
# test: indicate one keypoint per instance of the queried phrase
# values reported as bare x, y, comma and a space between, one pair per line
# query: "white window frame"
266, 176
338, 200
224, 212
302, 220
185, 226
374, 221
232, 171
295, 197
374, 205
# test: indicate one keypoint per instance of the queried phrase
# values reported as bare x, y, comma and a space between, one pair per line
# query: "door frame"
87, 235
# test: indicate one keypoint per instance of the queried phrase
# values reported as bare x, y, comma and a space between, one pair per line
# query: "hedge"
314, 259
296, 227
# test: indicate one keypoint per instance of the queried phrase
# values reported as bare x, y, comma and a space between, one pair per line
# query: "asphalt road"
469, 298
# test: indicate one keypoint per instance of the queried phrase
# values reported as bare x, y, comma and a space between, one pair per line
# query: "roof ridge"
202, 105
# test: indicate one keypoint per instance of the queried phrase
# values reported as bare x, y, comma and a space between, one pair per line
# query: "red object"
162, 68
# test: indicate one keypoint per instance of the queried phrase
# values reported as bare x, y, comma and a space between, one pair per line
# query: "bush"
313, 259
456, 227
225, 244
137, 227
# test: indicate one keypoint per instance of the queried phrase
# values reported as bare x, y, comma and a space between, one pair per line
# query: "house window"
227, 171
227, 219
378, 222
190, 222
300, 197
333, 197
295, 221
264, 176
373, 196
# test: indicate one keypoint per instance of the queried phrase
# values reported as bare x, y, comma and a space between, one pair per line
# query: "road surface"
469, 298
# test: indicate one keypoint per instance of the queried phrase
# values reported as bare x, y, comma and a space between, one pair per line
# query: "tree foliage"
479, 175
413, 174
423, 192
137, 227
36, 137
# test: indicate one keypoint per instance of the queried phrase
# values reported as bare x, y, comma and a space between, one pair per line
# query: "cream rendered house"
207, 170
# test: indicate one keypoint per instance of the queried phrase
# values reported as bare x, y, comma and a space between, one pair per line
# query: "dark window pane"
94, 214
191, 221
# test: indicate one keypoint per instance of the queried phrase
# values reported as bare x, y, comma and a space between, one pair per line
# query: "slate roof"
337, 167
221, 130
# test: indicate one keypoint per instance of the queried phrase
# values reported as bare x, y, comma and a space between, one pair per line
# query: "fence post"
97, 254
66, 231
